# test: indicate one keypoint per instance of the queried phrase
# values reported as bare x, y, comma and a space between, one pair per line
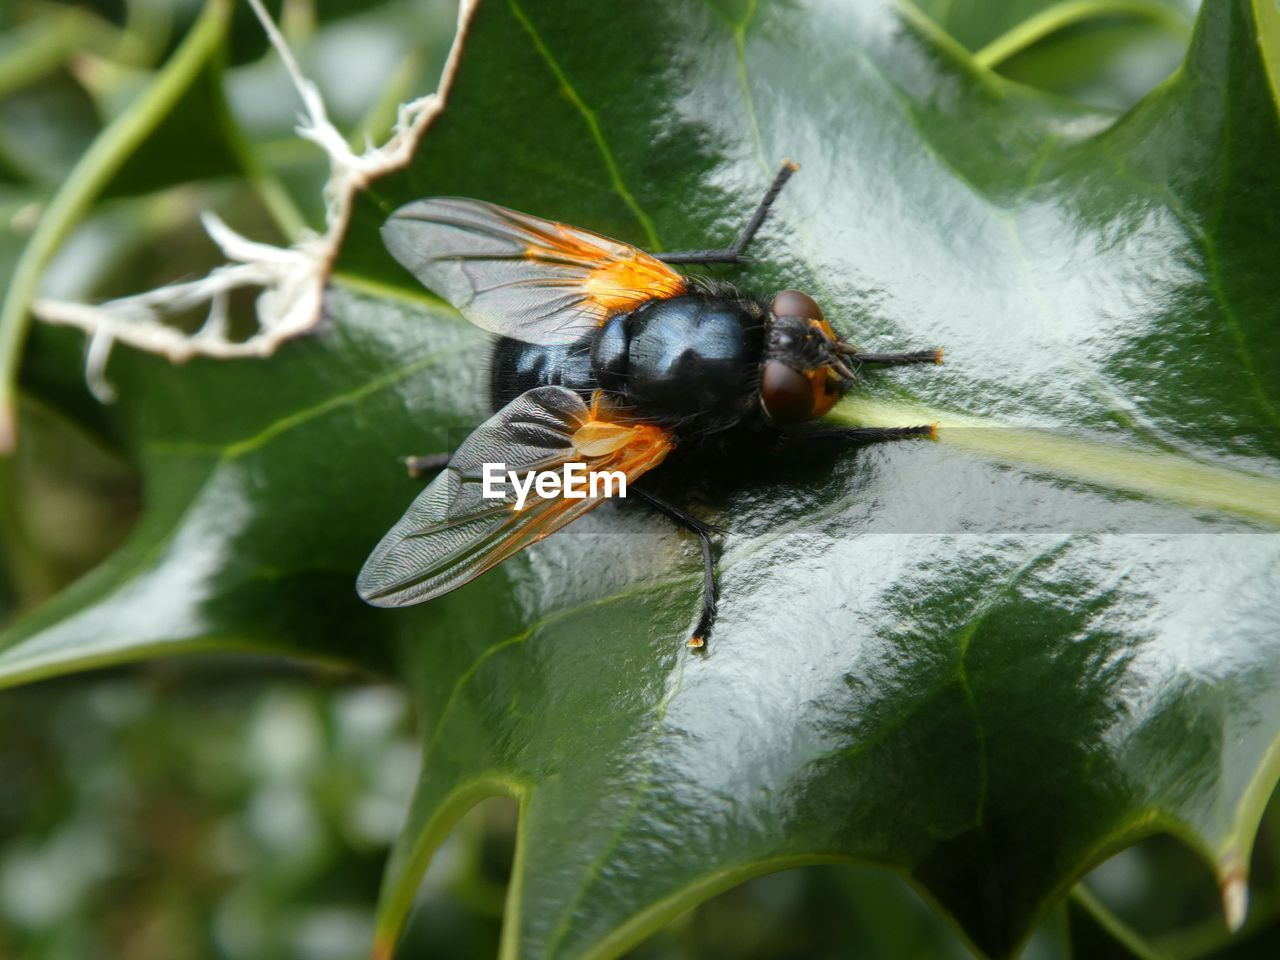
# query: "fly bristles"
841, 368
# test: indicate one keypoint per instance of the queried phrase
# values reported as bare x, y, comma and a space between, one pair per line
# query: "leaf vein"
592, 122
1209, 250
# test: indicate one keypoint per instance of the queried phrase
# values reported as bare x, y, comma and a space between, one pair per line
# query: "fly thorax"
683, 357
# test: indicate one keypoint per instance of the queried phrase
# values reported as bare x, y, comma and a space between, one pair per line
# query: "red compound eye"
787, 394
793, 303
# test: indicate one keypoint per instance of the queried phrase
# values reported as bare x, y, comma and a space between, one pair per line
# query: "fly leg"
734, 254
709, 587
430, 463
897, 359
866, 434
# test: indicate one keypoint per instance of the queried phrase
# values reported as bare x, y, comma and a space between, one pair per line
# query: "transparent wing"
521, 276
451, 533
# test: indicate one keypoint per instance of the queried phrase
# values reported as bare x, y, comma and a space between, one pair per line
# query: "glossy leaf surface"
986, 662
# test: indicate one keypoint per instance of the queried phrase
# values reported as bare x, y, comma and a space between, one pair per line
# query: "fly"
608, 357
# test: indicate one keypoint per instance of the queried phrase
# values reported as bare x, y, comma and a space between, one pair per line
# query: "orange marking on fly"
619, 284
937, 356
622, 443
820, 323
696, 642
628, 443
555, 243
933, 430
617, 280
599, 438
826, 388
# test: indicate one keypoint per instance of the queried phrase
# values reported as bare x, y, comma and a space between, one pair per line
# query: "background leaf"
1104, 52
988, 673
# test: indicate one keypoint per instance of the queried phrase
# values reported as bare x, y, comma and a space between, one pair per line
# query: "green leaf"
985, 663
981, 25
253, 529
1109, 53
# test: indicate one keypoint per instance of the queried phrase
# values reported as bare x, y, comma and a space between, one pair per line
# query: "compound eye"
787, 395
793, 303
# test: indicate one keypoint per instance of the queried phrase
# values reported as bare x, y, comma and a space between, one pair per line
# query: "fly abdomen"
518, 367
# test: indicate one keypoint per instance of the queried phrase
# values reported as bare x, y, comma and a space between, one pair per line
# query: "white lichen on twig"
292, 279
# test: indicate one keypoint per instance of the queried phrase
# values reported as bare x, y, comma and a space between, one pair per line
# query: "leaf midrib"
1159, 476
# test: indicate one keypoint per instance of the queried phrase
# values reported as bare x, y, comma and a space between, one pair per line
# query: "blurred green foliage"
197, 813
230, 809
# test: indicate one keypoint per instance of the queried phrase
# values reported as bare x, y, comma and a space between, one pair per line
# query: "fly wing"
518, 275
451, 533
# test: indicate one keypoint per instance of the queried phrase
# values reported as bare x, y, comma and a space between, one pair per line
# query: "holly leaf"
1107, 54
986, 663
978, 23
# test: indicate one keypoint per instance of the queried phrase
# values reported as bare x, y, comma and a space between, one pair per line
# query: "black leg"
898, 359
734, 253
867, 434
704, 530
430, 463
